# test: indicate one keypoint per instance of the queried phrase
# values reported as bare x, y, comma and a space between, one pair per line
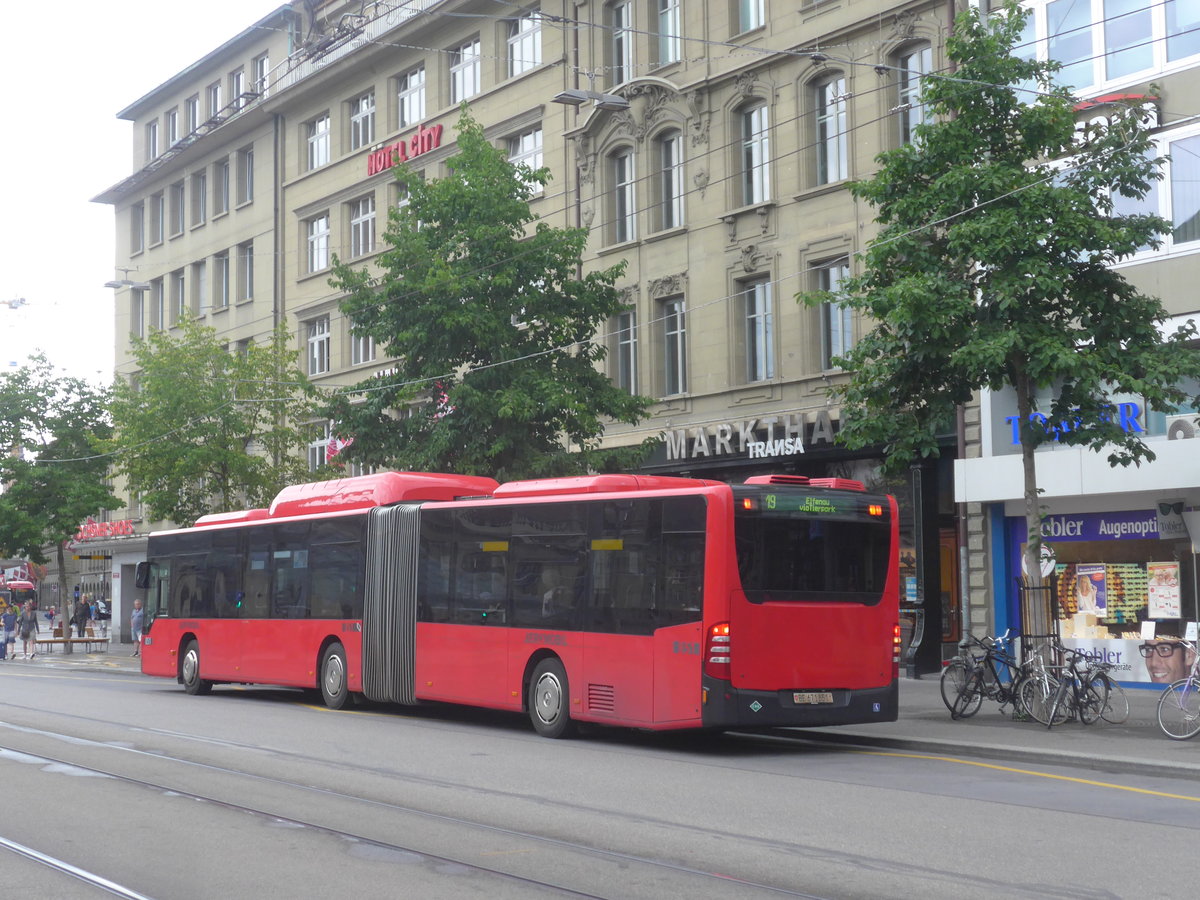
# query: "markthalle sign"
766, 437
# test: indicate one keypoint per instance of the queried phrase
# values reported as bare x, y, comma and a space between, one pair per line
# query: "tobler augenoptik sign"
762, 438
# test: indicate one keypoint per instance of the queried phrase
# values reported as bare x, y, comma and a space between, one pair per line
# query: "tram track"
675, 871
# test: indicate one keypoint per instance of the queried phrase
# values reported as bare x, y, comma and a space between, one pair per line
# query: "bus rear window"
795, 556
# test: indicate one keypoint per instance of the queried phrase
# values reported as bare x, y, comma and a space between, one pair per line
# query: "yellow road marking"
999, 768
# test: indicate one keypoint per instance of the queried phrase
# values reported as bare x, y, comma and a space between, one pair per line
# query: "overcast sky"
68, 70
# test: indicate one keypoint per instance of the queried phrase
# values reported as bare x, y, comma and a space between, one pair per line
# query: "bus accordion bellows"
650, 602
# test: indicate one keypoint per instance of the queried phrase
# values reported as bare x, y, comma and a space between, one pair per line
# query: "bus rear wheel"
549, 700
334, 688
189, 671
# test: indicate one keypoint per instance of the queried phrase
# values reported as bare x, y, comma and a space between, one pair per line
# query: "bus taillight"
896, 645
716, 654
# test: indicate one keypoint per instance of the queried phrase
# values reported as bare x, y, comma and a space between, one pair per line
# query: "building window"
137, 228
625, 332
670, 180
178, 208
245, 175
221, 280
317, 447
759, 317
199, 198
158, 304
669, 44
751, 14
221, 186
362, 226
526, 149
262, 70
464, 71
151, 141
158, 217
178, 297
237, 88
412, 97
524, 42
318, 243
837, 319
213, 96
199, 299
756, 155
362, 121
137, 313
362, 349
832, 156
191, 111
245, 271
674, 347
318, 346
624, 197
621, 37
913, 67
172, 127
318, 141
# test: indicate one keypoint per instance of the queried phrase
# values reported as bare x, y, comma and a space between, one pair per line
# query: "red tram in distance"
640, 601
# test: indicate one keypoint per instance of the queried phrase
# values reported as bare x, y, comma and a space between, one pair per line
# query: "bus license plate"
812, 697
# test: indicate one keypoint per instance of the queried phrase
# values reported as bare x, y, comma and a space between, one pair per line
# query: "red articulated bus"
17, 592
639, 601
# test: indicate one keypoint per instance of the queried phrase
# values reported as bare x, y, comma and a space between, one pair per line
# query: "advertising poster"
1162, 589
1091, 591
1152, 661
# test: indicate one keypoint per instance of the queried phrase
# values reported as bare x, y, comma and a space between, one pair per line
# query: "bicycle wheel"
1061, 704
1093, 699
1116, 710
961, 690
1179, 710
1036, 694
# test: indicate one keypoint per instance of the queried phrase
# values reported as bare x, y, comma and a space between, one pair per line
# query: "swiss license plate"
812, 697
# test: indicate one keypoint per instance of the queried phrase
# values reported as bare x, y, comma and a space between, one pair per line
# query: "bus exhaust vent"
390, 604
601, 698
839, 484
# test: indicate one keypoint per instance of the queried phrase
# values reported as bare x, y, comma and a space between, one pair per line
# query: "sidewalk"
1136, 747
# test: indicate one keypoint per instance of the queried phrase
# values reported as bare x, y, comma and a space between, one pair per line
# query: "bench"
89, 642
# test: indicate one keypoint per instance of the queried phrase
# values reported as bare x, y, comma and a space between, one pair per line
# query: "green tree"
993, 268
53, 469
201, 429
491, 326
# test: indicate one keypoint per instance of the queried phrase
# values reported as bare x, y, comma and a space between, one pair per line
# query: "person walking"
28, 627
9, 632
135, 625
82, 616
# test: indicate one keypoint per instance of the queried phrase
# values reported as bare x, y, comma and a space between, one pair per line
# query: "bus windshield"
802, 545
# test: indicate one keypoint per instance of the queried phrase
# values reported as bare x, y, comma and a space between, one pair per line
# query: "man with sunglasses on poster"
1168, 659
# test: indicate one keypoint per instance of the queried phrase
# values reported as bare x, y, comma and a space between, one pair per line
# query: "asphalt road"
116, 778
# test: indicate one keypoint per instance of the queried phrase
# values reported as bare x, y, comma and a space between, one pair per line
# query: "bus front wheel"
549, 700
189, 671
334, 689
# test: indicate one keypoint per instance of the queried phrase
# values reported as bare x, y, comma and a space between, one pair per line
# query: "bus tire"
189, 671
334, 688
550, 700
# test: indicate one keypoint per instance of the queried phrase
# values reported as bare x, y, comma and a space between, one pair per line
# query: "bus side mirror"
141, 576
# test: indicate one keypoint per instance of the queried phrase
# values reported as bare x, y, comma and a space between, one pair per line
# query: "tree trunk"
65, 608
1035, 605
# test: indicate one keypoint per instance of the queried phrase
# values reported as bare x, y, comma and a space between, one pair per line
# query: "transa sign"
423, 141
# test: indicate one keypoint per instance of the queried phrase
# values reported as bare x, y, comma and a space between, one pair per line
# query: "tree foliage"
492, 327
203, 430
53, 468
993, 266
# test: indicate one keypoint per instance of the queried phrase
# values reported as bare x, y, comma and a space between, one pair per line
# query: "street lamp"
125, 282
579, 96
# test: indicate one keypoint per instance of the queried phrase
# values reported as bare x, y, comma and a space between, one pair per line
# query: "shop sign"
1127, 415
1106, 526
92, 529
423, 141
765, 438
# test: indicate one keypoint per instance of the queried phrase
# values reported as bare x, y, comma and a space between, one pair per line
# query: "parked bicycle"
971, 676
1081, 691
1179, 703
1116, 706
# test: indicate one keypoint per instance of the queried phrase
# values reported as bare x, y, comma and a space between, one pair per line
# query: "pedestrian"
9, 620
27, 625
83, 615
135, 625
